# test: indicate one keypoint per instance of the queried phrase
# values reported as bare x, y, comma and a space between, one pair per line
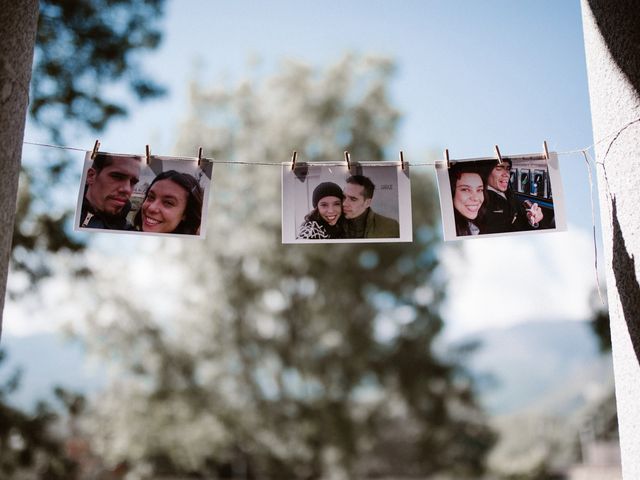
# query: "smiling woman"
467, 190
172, 204
325, 221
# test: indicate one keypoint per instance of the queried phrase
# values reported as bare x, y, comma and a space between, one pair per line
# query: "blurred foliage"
83, 49
30, 444
602, 420
86, 69
285, 362
600, 323
533, 446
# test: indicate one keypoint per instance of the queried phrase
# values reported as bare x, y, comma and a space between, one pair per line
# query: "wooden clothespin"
446, 158
545, 149
148, 154
402, 159
94, 152
293, 160
498, 155
347, 158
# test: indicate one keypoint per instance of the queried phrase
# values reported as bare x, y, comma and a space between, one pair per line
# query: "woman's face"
330, 209
469, 195
164, 207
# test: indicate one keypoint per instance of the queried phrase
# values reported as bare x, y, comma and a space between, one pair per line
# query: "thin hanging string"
593, 224
61, 147
584, 151
279, 164
612, 135
227, 162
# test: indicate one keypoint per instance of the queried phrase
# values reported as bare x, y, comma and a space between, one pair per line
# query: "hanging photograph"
330, 204
122, 193
481, 197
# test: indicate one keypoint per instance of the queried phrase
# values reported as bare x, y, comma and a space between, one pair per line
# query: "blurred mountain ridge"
543, 367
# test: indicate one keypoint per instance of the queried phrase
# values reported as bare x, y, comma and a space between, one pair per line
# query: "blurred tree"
17, 30
600, 421
286, 362
83, 50
30, 446
600, 323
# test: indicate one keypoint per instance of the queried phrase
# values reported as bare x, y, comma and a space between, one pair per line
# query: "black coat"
504, 214
91, 218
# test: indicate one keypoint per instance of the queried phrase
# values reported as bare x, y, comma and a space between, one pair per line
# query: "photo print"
332, 204
123, 194
480, 197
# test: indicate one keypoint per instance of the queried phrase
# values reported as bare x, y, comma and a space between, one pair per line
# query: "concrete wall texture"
612, 43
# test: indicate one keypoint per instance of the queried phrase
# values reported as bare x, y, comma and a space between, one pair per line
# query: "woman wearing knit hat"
325, 221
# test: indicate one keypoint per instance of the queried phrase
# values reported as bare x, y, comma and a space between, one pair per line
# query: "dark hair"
100, 161
103, 160
365, 182
504, 160
326, 189
489, 165
455, 173
193, 210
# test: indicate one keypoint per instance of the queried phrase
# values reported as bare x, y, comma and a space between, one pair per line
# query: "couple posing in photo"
347, 213
172, 203
483, 201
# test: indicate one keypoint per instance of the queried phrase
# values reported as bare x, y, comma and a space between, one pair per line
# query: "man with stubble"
362, 221
110, 182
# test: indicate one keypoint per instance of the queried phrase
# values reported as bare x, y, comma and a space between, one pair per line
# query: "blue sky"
470, 74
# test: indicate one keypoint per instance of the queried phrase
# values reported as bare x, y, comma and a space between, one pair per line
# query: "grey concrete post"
612, 42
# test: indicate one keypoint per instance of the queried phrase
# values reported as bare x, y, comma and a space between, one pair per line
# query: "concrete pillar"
612, 42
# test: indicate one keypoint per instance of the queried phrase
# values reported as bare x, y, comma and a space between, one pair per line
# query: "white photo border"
339, 171
446, 201
203, 172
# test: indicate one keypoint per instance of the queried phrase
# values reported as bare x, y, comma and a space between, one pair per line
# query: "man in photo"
361, 221
504, 212
110, 182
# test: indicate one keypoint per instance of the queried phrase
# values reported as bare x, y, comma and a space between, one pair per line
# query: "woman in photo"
467, 190
172, 204
325, 221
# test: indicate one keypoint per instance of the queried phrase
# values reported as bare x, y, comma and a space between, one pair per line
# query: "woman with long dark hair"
468, 193
172, 204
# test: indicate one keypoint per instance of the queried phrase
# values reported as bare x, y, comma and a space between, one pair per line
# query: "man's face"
499, 177
354, 203
110, 188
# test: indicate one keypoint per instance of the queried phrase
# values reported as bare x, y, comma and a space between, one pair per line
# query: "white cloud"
501, 281
133, 268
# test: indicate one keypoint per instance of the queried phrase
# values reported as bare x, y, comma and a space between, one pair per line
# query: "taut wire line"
279, 164
61, 147
615, 135
584, 151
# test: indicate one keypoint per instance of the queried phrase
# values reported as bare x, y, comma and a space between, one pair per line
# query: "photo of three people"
370, 203
488, 197
124, 194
